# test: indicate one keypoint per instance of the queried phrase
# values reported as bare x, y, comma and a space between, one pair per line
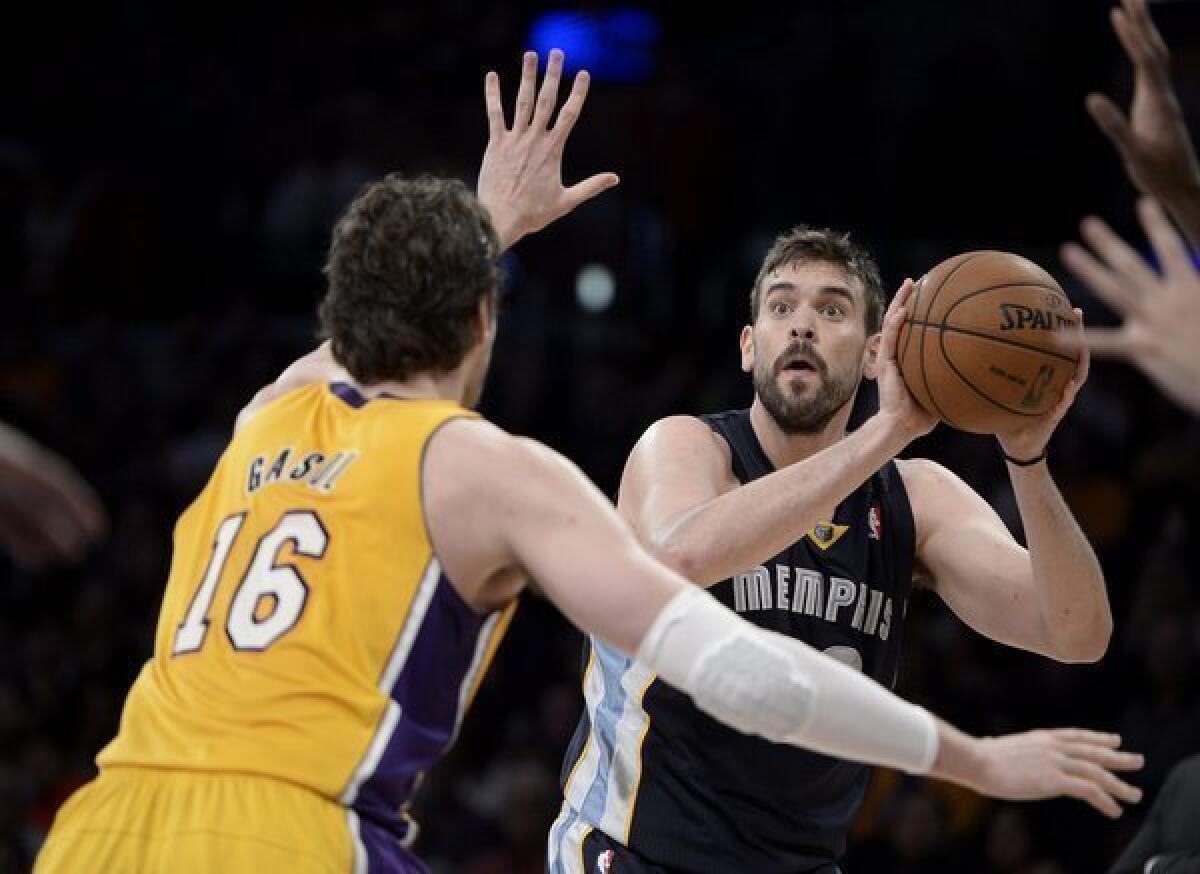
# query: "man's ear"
485, 317
746, 341
871, 363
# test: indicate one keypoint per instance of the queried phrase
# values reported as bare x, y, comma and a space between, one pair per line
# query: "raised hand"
1161, 310
520, 181
1153, 141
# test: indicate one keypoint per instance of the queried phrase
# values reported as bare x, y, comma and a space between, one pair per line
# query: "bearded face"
799, 390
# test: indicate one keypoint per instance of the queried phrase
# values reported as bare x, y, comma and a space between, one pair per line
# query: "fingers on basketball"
983, 352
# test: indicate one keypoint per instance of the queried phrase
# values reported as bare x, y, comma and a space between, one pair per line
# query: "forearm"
773, 686
959, 757
745, 526
1068, 581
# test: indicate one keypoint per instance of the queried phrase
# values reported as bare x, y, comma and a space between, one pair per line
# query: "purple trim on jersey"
348, 393
427, 691
354, 397
384, 853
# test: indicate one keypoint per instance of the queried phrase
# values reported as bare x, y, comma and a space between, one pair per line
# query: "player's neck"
782, 448
422, 386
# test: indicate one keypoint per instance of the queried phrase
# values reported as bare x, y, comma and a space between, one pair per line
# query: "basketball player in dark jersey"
818, 534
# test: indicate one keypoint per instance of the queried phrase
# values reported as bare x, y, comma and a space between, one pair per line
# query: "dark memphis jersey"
688, 793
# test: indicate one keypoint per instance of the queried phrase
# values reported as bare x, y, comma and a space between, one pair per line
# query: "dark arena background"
169, 174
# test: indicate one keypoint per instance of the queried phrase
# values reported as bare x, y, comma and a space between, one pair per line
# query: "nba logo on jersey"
604, 862
873, 522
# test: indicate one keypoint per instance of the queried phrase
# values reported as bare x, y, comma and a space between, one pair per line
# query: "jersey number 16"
248, 625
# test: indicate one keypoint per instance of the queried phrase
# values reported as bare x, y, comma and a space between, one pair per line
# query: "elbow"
1086, 649
678, 557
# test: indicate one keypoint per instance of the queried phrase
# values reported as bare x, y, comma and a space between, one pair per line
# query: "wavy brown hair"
805, 245
409, 262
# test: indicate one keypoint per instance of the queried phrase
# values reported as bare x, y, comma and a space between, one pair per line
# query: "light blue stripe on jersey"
613, 666
558, 831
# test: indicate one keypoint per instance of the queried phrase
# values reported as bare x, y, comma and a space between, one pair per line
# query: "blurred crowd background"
169, 174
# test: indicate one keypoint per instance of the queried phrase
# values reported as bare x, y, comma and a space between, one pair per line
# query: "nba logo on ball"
873, 522
604, 862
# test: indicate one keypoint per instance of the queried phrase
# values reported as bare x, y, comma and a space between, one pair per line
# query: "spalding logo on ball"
978, 348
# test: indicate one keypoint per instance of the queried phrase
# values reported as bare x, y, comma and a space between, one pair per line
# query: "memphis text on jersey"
811, 593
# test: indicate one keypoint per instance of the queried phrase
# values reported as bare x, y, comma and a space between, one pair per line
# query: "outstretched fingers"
495, 109
1168, 245
1142, 41
1110, 342
1112, 785
571, 110
1107, 284
1113, 124
548, 95
524, 106
1086, 790
590, 187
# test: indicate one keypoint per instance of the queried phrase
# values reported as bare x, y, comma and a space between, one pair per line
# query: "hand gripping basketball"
980, 347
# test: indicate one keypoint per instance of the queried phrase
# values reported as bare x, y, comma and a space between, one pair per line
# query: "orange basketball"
977, 349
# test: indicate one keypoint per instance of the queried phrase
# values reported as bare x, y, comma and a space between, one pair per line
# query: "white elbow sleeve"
764, 683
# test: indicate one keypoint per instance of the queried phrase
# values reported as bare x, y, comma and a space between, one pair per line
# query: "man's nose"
804, 327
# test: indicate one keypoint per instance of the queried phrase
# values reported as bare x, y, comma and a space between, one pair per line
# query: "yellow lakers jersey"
307, 632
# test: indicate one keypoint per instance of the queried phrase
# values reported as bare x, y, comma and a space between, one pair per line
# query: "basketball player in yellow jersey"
338, 588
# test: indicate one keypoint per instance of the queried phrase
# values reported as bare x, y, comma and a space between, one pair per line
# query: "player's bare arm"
679, 493
1050, 598
500, 508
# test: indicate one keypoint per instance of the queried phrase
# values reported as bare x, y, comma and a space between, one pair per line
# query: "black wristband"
1025, 462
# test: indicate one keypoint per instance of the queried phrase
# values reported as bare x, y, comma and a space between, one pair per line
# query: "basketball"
978, 349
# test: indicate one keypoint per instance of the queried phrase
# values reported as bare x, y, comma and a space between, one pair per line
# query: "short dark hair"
804, 245
409, 262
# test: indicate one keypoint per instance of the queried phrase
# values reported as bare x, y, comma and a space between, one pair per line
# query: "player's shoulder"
473, 450
681, 433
